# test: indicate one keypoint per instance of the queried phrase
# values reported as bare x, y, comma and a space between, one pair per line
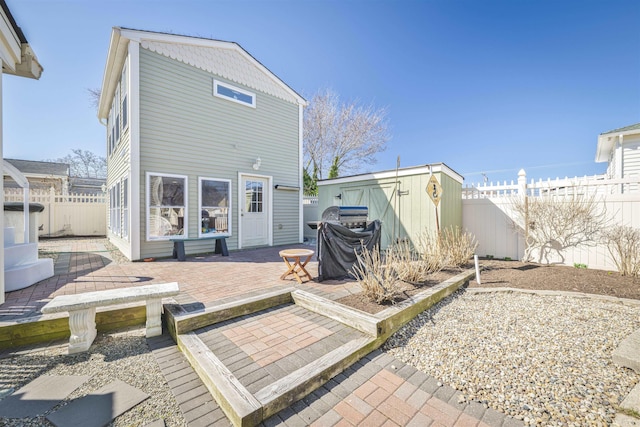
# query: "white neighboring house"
621, 149
17, 59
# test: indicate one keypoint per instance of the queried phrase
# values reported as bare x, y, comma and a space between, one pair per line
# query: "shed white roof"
391, 173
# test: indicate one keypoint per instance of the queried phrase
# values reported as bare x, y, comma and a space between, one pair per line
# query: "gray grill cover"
337, 245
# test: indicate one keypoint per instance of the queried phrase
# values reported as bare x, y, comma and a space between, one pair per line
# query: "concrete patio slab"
97, 409
40, 395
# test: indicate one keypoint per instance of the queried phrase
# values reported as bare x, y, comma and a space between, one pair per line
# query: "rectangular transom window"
166, 205
235, 94
215, 202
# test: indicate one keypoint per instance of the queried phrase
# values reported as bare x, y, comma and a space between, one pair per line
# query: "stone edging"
625, 301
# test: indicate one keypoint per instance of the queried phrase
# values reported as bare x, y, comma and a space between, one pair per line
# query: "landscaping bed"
517, 274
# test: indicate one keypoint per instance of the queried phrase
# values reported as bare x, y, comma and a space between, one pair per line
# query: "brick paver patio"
376, 391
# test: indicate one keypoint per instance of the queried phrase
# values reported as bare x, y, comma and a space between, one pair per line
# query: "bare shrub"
430, 250
457, 246
553, 223
379, 282
623, 243
409, 266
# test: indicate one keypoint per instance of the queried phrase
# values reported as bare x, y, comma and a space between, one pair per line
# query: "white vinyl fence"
66, 215
488, 213
310, 214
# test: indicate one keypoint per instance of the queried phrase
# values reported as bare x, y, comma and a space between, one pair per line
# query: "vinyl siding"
451, 202
118, 168
631, 157
185, 130
631, 162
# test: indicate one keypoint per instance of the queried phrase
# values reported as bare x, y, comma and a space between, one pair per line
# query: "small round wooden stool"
296, 267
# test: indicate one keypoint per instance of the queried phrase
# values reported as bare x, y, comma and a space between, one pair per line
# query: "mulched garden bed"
516, 274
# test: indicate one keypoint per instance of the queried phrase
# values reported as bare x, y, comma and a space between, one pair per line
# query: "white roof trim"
226, 59
415, 170
607, 142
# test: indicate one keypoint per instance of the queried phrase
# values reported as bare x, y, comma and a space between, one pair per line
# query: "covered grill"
352, 217
343, 231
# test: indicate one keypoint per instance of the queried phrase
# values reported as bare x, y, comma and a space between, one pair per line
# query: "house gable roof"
31, 167
607, 140
226, 59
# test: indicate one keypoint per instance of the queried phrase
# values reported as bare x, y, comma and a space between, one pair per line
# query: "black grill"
352, 217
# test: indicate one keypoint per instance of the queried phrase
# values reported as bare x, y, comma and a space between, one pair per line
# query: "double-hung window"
117, 211
166, 205
124, 87
118, 208
125, 208
118, 119
214, 201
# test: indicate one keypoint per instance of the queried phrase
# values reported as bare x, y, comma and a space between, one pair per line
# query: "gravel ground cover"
545, 360
123, 355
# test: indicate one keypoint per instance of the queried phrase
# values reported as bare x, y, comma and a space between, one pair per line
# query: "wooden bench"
178, 245
82, 310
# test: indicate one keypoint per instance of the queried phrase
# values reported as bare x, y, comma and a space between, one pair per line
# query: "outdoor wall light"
257, 164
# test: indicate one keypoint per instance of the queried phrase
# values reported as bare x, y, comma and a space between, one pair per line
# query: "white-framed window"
110, 134
234, 94
118, 211
166, 205
124, 88
214, 202
125, 208
115, 214
116, 125
112, 204
119, 208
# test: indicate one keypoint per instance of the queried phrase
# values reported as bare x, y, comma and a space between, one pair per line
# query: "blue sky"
484, 86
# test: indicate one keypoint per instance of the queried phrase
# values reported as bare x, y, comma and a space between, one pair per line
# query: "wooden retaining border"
51, 327
246, 409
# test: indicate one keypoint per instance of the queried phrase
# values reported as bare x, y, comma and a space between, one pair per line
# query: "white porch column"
1, 199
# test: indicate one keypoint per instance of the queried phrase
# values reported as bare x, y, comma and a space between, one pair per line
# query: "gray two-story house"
202, 140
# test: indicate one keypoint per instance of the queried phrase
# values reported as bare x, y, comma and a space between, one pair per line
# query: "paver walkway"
378, 390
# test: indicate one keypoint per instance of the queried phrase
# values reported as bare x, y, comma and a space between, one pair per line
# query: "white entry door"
254, 211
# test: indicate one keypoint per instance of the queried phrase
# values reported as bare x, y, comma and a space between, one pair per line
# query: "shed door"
254, 211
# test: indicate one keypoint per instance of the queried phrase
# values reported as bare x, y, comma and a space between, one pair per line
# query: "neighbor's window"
167, 205
215, 200
235, 94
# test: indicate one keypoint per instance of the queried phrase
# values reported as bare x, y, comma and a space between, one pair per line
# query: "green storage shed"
401, 199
